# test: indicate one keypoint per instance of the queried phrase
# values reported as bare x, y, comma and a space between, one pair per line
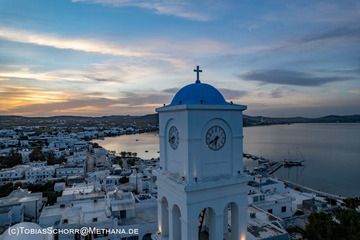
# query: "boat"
289, 163
263, 160
260, 168
294, 163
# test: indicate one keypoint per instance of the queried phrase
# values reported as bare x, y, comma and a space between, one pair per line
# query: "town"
57, 177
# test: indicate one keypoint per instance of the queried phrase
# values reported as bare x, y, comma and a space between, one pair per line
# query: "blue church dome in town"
198, 93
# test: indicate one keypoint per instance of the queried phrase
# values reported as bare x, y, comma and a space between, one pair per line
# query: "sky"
119, 57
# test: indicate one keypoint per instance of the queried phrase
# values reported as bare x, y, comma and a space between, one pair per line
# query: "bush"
10, 161
340, 224
36, 155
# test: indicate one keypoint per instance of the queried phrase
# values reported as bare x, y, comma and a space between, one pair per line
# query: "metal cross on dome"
198, 71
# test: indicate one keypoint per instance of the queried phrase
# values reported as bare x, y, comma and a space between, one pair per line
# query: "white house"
38, 164
267, 185
20, 205
78, 158
264, 226
41, 173
115, 211
62, 172
277, 204
111, 182
25, 236
13, 174
9, 142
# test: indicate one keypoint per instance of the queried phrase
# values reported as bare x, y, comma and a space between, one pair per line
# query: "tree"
10, 161
36, 155
52, 160
340, 224
119, 161
352, 202
131, 162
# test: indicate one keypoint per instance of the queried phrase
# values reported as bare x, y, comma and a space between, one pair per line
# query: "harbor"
267, 167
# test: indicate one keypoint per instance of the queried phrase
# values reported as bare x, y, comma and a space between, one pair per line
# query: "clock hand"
214, 140
172, 139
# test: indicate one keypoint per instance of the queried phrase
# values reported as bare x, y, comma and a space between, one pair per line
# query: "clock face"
215, 138
173, 137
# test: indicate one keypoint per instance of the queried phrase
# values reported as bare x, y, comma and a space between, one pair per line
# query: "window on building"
283, 209
270, 211
123, 214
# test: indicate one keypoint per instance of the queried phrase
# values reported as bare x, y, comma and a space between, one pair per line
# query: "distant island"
151, 120
260, 120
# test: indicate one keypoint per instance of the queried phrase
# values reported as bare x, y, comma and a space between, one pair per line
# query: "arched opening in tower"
176, 223
164, 228
231, 222
206, 228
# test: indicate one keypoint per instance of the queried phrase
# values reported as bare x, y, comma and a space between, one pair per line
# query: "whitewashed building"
13, 174
78, 158
40, 174
63, 172
117, 211
20, 205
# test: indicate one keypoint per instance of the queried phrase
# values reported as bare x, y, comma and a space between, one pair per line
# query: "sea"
331, 152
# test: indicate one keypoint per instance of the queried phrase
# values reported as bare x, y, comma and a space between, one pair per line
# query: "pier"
267, 167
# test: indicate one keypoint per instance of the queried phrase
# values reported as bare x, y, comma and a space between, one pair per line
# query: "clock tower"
201, 186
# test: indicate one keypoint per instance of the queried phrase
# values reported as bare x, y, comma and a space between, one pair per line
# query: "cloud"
277, 93
135, 99
337, 37
180, 9
106, 72
232, 94
77, 44
68, 106
84, 104
336, 33
355, 91
286, 77
12, 97
171, 90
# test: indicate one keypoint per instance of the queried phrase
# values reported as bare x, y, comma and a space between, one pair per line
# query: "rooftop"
261, 227
19, 196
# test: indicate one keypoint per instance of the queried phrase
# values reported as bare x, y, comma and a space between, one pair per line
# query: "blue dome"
198, 93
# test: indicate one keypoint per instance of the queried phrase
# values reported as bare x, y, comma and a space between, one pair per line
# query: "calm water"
138, 143
331, 152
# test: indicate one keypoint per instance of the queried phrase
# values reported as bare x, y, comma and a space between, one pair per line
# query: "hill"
152, 120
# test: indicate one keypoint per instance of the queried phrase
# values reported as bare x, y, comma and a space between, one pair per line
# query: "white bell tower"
201, 186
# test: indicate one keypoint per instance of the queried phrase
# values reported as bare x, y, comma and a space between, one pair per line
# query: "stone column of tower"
201, 186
